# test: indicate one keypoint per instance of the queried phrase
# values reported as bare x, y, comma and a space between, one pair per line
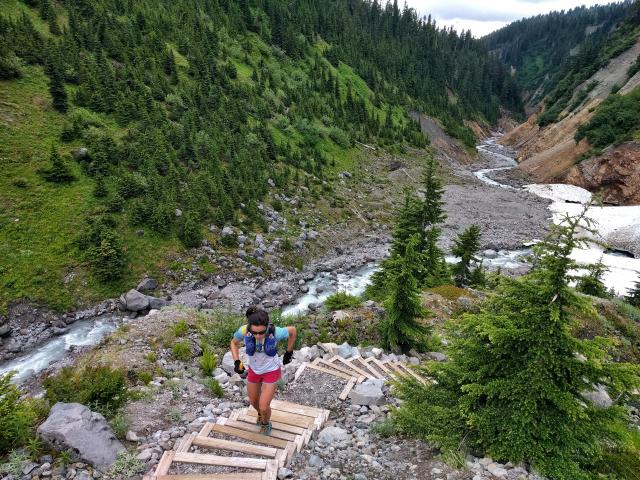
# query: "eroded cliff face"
616, 173
550, 154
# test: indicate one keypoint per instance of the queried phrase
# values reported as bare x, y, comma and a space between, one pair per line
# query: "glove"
287, 358
238, 367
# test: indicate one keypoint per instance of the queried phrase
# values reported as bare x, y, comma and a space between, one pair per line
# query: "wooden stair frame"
293, 426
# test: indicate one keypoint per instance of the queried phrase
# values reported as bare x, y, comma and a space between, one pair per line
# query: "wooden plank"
276, 425
411, 372
271, 472
382, 366
291, 450
165, 463
366, 365
185, 443
347, 388
294, 407
299, 441
281, 457
206, 429
234, 415
252, 427
357, 370
340, 368
213, 476
299, 371
253, 436
206, 459
334, 372
285, 417
222, 444
393, 367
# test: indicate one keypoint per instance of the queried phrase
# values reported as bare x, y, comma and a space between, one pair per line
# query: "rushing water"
570, 200
86, 332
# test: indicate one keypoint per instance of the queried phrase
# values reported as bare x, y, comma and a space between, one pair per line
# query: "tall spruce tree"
513, 387
634, 295
465, 247
402, 329
431, 216
59, 171
57, 90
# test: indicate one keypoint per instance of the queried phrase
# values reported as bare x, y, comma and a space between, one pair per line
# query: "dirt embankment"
550, 153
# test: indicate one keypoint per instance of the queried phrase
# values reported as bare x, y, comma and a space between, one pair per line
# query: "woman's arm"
235, 353
292, 338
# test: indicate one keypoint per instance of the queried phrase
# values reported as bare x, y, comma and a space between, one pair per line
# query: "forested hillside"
180, 112
539, 47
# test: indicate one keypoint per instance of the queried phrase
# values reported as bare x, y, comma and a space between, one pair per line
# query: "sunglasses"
261, 332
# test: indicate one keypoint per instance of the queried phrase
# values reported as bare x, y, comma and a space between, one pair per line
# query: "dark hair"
257, 316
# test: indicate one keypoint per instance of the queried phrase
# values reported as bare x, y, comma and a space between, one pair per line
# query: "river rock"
157, 303
87, 435
346, 351
147, 285
5, 330
598, 396
135, 301
331, 435
368, 392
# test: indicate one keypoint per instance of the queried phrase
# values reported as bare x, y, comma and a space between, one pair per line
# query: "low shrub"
450, 292
208, 361
182, 351
180, 329
215, 388
218, 327
101, 388
340, 300
126, 465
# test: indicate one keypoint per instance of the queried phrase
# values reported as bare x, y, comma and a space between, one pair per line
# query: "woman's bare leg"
266, 395
253, 391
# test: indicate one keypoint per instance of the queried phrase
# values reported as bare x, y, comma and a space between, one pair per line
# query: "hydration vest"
268, 346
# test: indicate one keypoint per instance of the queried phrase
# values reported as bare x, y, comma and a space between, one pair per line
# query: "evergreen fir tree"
513, 385
190, 232
465, 246
431, 216
402, 329
59, 172
108, 257
591, 283
634, 295
57, 90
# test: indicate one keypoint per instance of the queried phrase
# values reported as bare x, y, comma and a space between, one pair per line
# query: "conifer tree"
591, 283
465, 247
402, 329
634, 295
513, 385
57, 90
59, 171
108, 257
190, 232
431, 216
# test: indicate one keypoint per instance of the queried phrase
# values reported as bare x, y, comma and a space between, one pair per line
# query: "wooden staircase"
293, 425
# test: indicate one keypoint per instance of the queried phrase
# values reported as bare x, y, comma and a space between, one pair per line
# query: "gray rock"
330, 435
157, 303
135, 301
80, 153
437, 356
345, 350
5, 330
227, 231
284, 473
489, 253
14, 346
147, 284
178, 212
368, 392
598, 396
73, 427
315, 461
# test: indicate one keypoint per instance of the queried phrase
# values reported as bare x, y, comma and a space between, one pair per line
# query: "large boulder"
368, 393
147, 284
598, 396
331, 435
85, 434
626, 239
135, 301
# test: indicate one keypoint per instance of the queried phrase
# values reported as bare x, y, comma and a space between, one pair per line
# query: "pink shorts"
267, 377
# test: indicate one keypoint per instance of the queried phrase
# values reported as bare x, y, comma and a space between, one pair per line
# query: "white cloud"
489, 15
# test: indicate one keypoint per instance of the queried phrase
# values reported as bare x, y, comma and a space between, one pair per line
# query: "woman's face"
258, 331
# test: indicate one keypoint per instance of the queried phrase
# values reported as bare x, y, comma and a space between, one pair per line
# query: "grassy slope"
39, 222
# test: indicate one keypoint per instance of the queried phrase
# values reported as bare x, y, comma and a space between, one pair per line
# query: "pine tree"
59, 172
190, 232
108, 258
634, 295
402, 329
431, 216
591, 283
465, 246
513, 385
57, 90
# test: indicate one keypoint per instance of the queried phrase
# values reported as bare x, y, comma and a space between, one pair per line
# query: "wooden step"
244, 417
207, 459
252, 427
296, 408
222, 444
210, 476
249, 435
286, 417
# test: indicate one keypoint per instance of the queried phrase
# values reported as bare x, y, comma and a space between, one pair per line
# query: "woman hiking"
260, 339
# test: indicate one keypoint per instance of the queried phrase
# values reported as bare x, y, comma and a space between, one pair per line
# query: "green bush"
341, 300
218, 327
213, 385
126, 465
120, 425
17, 417
101, 388
145, 376
181, 328
182, 351
10, 66
208, 361
229, 241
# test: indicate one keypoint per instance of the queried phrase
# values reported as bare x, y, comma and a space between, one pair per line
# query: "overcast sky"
482, 17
